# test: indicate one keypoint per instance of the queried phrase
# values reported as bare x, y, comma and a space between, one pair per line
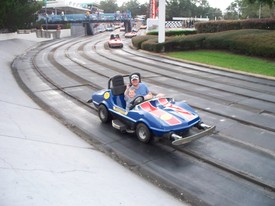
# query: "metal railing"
71, 18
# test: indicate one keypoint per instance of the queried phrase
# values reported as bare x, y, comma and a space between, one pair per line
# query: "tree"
178, 8
108, 6
191, 8
202, 7
236, 10
243, 9
174, 8
18, 14
270, 3
135, 8
111, 6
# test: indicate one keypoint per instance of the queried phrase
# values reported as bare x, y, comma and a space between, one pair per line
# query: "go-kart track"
233, 166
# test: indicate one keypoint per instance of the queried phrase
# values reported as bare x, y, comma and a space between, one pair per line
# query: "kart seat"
118, 89
118, 86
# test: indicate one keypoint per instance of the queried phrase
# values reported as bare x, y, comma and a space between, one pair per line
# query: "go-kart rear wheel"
104, 114
143, 133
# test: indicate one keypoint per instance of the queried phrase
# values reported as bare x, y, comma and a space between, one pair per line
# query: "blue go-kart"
161, 117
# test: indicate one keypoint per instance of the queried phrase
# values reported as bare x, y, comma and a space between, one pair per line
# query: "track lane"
202, 152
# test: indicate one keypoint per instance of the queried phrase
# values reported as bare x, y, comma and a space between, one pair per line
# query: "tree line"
18, 14
244, 9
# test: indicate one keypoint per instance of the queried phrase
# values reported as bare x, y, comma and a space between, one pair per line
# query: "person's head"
135, 80
132, 92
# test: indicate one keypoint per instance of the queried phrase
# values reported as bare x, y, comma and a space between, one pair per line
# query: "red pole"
153, 9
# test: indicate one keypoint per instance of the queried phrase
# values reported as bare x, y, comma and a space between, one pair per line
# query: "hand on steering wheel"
136, 101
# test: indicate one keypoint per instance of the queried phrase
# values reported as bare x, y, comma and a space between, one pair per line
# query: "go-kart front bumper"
201, 131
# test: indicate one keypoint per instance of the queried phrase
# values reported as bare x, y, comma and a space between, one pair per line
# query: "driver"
140, 88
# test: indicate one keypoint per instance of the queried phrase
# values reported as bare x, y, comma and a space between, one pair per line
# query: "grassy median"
247, 50
228, 60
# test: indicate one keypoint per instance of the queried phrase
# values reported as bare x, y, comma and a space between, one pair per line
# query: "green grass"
228, 60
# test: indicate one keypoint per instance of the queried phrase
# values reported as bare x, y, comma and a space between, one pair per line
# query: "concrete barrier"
48, 34
23, 31
38, 33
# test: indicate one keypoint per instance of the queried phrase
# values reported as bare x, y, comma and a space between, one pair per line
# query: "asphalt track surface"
234, 166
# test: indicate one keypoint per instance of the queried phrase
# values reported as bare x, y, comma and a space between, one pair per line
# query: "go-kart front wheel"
143, 133
104, 114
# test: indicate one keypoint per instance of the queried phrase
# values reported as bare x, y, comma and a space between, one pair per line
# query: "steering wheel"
136, 101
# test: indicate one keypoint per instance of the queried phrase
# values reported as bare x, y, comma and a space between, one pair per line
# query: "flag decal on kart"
161, 114
187, 115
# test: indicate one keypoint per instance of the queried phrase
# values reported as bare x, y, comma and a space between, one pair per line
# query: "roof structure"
70, 6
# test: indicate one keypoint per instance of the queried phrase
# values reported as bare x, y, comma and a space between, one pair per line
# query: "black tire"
104, 114
143, 133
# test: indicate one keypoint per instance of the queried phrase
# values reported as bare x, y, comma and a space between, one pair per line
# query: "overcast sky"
221, 4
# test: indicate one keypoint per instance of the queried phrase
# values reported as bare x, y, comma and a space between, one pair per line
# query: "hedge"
218, 26
247, 41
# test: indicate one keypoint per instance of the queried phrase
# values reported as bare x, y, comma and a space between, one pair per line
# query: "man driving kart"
141, 89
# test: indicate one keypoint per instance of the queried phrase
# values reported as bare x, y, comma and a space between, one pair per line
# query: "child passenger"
130, 94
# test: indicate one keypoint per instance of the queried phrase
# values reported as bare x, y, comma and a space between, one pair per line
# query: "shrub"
174, 32
138, 40
153, 45
218, 26
254, 42
185, 43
